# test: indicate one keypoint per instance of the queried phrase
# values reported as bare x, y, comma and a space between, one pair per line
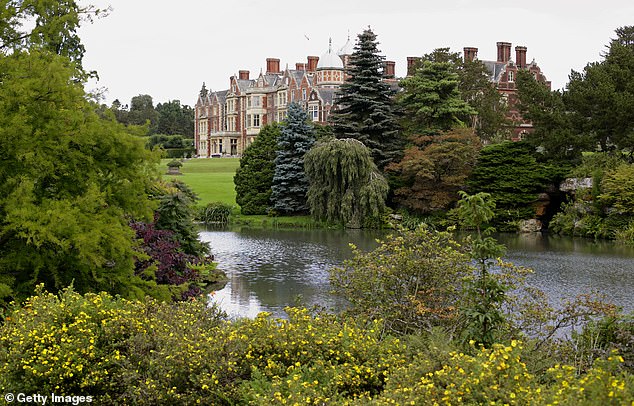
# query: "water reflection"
271, 269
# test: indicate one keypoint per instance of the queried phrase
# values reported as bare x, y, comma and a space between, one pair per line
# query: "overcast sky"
168, 49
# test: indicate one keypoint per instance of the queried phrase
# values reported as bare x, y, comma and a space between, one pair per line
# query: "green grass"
211, 178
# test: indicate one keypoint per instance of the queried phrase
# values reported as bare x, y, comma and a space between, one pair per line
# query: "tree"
553, 133
602, 96
434, 169
290, 186
411, 281
142, 112
254, 177
489, 122
512, 176
70, 181
174, 119
364, 109
345, 184
49, 25
431, 99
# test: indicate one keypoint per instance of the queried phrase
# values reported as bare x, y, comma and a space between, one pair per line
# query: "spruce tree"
364, 109
290, 185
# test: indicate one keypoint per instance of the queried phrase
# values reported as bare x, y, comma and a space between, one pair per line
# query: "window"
255, 101
281, 99
303, 94
256, 120
313, 112
511, 76
220, 146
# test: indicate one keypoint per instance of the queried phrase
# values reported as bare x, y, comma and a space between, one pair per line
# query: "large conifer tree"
254, 177
364, 109
290, 185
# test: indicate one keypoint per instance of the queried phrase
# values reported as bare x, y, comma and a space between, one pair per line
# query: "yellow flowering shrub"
151, 353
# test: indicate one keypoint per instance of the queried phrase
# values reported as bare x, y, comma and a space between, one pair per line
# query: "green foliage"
176, 212
434, 169
618, 189
490, 121
486, 293
431, 99
602, 96
151, 353
553, 134
411, 281
364, 108
215, 213
511, 174
69, 183
254, 178
290, 185
46, 25
345, 185
174, 119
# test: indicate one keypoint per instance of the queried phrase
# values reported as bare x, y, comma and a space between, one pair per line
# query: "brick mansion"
227, 121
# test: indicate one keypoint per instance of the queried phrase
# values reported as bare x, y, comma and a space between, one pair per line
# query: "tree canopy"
364, 108
345, 184
254, 178
290, 185
70, 181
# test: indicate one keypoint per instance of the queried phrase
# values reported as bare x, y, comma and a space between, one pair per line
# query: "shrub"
411, 281
215, 213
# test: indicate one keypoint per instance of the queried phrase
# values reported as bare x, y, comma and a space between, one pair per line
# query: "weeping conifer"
345, 184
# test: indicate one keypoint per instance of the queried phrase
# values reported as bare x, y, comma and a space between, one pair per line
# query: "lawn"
211, 178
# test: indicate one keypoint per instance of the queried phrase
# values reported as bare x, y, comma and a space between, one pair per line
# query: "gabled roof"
326, 95
496, 69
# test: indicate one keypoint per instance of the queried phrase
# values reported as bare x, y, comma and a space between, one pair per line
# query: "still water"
271, 269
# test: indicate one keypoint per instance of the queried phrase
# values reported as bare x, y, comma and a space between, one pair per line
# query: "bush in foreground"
145, 352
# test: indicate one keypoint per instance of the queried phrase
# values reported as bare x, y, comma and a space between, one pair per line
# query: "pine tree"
290, 185
364, 109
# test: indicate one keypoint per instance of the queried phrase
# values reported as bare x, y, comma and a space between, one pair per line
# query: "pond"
270, 269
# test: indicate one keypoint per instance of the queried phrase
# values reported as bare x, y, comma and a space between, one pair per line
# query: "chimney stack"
520, 56
272, 65
243, 74
411, 61
300, 66
312, 63
470, 54
389, 69
504, 51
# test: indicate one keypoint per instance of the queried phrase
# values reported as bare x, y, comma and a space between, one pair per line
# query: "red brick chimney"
389, 69
272, 65
300, 66
504, 51
243, 74
520, 56
312, 63
470, 54
411, 61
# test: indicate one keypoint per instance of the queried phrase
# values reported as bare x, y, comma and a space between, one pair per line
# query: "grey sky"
167, 49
